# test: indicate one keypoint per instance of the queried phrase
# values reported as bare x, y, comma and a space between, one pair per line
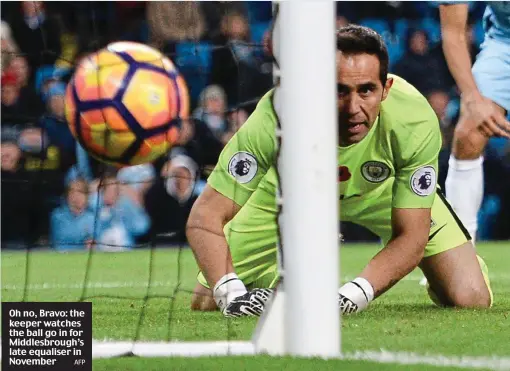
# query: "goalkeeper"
389, 140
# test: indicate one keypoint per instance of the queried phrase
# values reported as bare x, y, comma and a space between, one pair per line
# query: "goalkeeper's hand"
234, 300
355, 296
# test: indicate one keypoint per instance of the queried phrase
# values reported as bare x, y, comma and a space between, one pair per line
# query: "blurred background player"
485, 100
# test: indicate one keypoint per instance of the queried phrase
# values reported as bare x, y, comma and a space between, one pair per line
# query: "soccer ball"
124, 104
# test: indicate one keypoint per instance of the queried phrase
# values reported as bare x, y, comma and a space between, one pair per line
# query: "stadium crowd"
50, 185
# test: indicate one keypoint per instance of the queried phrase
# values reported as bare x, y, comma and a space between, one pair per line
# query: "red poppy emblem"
343, 174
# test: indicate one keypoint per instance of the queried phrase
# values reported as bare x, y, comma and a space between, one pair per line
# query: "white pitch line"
405, 358
111, 349
102, 349
139, 284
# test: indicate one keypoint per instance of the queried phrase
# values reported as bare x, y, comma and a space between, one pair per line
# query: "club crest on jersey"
423, 181
375, 171
243, 167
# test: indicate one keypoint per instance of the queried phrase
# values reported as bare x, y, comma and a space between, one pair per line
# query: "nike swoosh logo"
342, 197
436, 232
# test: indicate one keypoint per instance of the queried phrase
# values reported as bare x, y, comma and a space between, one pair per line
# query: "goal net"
131, 258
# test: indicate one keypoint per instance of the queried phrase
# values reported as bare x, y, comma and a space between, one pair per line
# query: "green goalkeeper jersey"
395, 165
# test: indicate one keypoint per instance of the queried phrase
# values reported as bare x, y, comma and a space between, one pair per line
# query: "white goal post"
306, 317
309, 177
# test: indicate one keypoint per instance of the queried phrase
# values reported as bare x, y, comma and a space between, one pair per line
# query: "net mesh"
143, 293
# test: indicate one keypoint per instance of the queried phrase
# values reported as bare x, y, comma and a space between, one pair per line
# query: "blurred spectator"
47, 76
21, 123
241, 64
69, 41
174, 21
237, 118
20, 108
439, 102
11, 156
214, 12
32, 140
44, 154
59, 144
120, 214
54, 98
23, 221
37, 34
32, 103
9, 48
418, 66
72, 224
138, 177
20, 67
180, 174
10, 90
211, 111
169, 200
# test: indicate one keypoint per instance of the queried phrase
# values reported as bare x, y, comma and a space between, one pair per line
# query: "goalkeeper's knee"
470, 297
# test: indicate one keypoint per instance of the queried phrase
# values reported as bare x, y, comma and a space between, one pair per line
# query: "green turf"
402, 320
262, 364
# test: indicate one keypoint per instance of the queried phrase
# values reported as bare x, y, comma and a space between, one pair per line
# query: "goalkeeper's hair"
355, 39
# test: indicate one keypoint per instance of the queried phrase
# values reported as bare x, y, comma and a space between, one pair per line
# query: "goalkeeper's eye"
366, 89
342, 90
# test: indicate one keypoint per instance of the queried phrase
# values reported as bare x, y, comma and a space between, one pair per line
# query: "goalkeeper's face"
360, 92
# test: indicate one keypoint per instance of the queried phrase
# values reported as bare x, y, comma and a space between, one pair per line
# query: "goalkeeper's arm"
204, 231
398, 258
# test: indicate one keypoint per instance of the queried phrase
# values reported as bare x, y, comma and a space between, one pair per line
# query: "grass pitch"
145, 295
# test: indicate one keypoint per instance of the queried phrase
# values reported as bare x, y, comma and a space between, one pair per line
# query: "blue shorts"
492, 72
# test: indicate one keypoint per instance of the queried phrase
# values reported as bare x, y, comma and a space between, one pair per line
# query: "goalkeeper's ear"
386, 88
